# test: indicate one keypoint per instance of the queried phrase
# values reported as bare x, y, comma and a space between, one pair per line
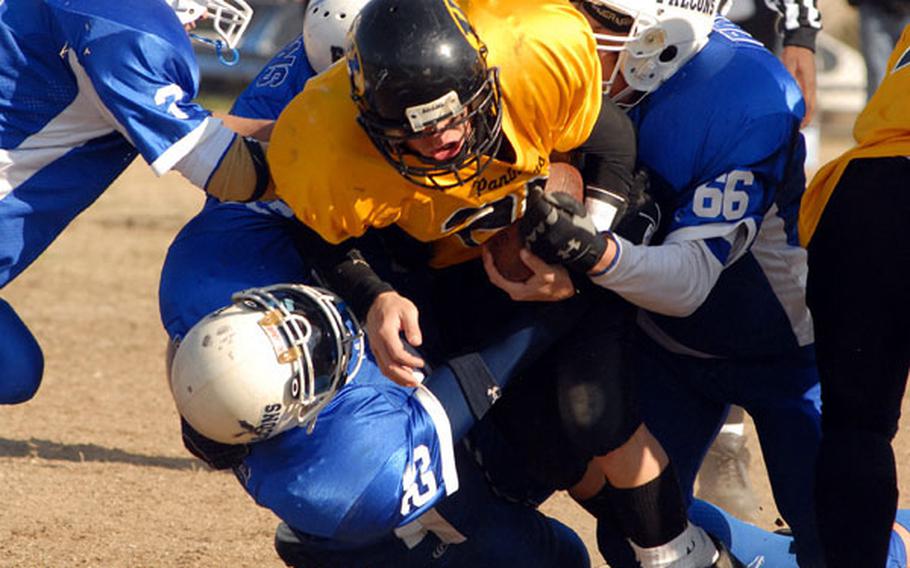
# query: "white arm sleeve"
675, 278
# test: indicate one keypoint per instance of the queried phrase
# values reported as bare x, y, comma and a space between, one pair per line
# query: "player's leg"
859, 274
597, 376
782, 396
668, 400
21, 359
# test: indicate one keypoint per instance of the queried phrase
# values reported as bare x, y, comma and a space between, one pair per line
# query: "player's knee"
599, 420
21, 359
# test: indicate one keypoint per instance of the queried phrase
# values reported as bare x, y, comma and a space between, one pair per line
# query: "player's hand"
390, 316
548, 282
800, 62
640, 217
557, 228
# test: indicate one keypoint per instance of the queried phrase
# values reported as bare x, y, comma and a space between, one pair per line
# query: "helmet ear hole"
295, 388
325, 28
668, 54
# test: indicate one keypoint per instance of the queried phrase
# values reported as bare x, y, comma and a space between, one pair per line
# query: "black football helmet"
413, 65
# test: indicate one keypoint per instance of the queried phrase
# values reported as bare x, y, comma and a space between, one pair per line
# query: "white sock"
693, 548
737, 429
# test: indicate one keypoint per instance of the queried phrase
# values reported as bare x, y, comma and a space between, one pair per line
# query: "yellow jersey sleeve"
326, 169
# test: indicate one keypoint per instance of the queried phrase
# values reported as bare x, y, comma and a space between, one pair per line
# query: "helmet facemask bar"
296, 330
641, 43
483, 114
230, 19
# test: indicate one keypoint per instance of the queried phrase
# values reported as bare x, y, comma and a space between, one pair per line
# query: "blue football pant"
21, 360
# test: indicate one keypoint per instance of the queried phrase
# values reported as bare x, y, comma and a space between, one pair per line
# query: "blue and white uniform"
84, 87
723, 285
380, 481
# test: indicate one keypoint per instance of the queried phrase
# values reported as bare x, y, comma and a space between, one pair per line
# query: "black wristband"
355, 280
261, 166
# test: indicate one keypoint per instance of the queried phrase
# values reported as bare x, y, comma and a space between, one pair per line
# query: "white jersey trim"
197, 154
431, 521
444, 432
84, 119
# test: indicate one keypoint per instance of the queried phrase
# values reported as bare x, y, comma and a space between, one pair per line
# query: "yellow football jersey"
882, 129
327, 169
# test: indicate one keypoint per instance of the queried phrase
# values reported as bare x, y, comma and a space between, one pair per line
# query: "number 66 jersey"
379, 456
721, 141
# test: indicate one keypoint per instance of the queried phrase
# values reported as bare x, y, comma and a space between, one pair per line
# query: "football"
505, 244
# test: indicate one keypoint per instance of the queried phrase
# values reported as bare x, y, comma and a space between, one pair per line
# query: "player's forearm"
258, 128
671, 279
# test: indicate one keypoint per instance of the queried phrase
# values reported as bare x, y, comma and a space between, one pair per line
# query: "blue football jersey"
401, 442
721, 141
283, 77
84, 86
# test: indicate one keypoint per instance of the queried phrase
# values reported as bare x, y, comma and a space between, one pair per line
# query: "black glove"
557, 228
631, 214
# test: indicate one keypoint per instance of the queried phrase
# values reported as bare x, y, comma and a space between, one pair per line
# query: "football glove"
633, 214
557, 228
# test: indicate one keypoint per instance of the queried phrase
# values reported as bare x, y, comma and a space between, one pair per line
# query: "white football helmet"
267, 363
325, 27
654, 38
229, 18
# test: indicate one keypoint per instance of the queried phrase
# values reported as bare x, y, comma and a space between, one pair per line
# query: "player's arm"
345, 269
800, 23
229, 164
673, 278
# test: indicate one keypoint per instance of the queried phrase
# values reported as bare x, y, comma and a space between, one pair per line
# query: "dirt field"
92, 471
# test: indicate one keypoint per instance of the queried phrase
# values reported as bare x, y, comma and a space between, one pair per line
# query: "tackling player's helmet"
654, 38
325, 29
229, 18
416, 67
268, 362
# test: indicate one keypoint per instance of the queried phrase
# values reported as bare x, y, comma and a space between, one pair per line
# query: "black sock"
611, 542
652, 514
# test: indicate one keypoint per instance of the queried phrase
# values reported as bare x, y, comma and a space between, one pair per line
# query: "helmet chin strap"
220, 49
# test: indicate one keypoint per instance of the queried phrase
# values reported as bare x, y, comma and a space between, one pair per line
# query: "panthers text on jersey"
328, 171
84, 85
881, 130
720, 170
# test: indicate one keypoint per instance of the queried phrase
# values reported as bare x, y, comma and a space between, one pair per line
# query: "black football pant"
859, 294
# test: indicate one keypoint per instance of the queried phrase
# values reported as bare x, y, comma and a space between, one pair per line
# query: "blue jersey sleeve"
278, 82
144, 74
